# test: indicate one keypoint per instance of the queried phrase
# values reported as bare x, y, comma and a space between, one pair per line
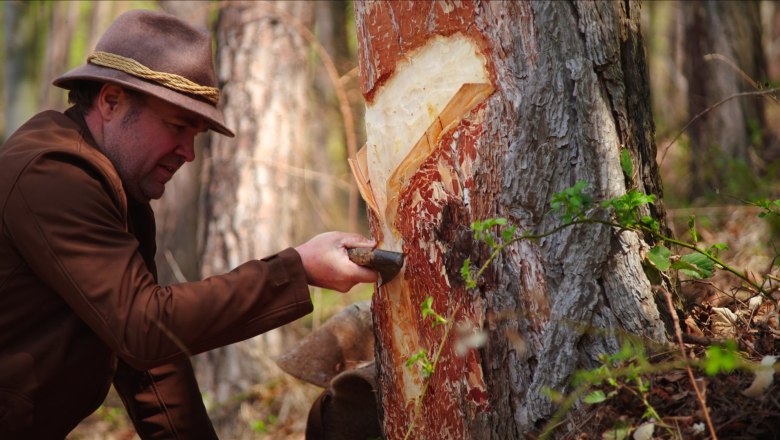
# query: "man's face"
148, 143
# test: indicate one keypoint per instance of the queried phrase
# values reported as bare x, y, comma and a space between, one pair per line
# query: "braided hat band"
169, 80
160, 55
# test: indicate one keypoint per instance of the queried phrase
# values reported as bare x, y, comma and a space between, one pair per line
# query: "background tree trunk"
254, 186
724, 56
20, 20
570, 90
63, 17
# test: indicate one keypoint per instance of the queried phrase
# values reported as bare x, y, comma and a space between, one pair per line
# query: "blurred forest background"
290, 93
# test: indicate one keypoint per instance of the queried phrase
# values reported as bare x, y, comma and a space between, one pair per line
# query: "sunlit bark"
480, 110
254, 184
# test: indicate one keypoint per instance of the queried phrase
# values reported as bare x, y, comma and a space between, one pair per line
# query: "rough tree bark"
556, 89
252, 198
724, 56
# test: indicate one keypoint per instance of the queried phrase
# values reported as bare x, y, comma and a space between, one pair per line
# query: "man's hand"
328, 265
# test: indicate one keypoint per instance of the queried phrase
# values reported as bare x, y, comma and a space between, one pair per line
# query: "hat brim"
91, 72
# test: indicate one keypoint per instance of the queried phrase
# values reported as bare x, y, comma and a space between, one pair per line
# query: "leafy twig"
434, 363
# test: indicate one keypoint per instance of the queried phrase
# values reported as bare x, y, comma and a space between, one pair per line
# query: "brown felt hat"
157, 54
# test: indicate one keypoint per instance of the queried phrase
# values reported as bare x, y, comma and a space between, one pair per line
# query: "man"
80, 306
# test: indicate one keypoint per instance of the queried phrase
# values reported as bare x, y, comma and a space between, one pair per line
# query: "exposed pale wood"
465, 99
571, 91
359, 167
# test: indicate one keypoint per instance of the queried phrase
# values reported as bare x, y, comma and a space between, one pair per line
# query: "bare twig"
733, 65
712, 107
678, 332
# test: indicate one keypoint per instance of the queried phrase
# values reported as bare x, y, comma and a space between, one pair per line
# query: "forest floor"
715, 311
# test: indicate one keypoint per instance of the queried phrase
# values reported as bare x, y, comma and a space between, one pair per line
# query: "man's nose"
186, 148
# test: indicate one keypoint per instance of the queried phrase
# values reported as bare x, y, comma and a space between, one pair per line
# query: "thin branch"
710, 108
733, 65
435, 363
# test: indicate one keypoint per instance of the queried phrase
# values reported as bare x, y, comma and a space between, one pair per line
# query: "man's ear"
109, 100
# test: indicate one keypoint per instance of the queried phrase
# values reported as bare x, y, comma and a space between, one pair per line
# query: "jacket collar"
77, 117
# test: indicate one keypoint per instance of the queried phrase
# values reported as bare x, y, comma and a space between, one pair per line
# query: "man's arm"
74, 238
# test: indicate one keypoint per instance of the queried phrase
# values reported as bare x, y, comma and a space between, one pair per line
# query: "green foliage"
427, 311
571, 203
659, 256
483, 231
422, 360
698, 266
594, 397
692, 229
722, 359
626, 164
626, 208
465, 273
770, 208
628, 369
715, 248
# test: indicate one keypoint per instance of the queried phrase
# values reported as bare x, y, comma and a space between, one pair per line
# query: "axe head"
387, 263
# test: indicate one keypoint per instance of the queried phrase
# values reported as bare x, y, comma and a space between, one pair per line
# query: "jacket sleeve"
164, 402
73, 235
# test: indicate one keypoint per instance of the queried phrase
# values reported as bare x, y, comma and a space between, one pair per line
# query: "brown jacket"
80, 306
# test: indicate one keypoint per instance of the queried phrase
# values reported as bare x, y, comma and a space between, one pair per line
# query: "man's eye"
178, 128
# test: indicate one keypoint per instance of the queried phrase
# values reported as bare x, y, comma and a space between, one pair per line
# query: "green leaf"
508, 233
695, 266
651, 223
692, 229
571, 203
597, 396
420, 355
626, 164
426, 307
769, 207
617, 432
659, 256
721, 358
717, 247
465, 273
626, 206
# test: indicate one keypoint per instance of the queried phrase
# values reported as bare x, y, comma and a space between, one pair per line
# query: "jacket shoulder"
52, 135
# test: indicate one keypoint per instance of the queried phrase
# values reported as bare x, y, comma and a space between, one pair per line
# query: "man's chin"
150, 194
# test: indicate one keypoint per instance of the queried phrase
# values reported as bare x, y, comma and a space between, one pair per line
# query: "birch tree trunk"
484, 109
252, 195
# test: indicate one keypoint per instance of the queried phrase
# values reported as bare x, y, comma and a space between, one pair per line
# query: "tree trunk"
253, 183
63, 20
553, 91
20, 21
724, 56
